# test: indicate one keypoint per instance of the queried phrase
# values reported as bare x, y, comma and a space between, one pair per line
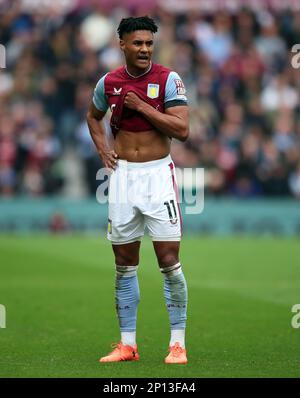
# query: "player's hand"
109, 159
132, 101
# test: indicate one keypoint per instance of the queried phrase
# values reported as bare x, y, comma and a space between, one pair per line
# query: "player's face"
138, 48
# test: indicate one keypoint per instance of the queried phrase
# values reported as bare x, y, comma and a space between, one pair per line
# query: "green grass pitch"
60, 317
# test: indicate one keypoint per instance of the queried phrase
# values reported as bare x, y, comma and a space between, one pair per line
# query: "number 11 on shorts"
172, 215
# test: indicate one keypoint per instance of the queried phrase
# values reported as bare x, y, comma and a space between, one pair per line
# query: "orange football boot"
177, 354
121, 352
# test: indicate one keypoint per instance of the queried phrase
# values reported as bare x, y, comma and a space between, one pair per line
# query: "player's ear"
122, 44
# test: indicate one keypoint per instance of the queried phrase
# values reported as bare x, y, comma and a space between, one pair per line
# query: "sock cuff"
126, 271
172, 270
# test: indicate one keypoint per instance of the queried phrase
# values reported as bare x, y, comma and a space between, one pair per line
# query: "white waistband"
151, 164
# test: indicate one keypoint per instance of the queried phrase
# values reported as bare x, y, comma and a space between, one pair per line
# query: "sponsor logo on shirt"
153, 90
179, 87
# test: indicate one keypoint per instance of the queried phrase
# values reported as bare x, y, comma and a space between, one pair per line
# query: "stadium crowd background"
243, 94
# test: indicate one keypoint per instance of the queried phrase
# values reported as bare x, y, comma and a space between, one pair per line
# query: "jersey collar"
135, 77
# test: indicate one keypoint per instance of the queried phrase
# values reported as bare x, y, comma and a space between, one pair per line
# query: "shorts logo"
153, 90
109, 226
179, 87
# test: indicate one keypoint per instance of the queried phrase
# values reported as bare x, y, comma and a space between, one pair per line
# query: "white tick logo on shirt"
117, 91
153, 90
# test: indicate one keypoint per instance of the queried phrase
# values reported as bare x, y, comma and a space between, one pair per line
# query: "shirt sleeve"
99, 98
175, 93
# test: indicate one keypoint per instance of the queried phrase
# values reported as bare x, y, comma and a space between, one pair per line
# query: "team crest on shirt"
153, 90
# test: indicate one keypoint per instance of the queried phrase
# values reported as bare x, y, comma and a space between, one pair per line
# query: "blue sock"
175, 290
127, 297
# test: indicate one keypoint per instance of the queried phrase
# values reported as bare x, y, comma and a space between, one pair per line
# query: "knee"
167, 259
126, 259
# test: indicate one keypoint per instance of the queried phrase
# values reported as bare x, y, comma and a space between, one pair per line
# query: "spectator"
243, 94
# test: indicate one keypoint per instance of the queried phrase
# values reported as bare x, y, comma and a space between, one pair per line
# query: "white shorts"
144, 195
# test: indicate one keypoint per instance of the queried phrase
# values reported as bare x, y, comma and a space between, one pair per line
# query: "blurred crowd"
243, 93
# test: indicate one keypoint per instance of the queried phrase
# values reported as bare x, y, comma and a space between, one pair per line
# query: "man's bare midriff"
141, 146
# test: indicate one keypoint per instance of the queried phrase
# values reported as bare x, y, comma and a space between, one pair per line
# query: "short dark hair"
128, 25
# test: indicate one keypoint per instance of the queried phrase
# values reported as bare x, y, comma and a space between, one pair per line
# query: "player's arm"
95, 114
175, 121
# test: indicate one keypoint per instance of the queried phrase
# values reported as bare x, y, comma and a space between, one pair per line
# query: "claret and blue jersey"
160, 87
